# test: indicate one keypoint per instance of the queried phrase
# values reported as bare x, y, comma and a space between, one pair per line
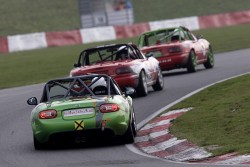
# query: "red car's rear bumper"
173, 61
130, 80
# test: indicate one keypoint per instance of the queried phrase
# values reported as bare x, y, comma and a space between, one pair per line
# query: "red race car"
125, 63
177, 48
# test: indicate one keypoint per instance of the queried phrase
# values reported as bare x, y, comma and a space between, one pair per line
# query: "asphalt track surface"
16, 142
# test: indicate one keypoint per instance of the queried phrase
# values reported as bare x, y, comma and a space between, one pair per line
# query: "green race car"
79, 109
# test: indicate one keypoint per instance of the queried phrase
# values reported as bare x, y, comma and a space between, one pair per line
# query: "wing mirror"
149, 54
32, 101
129, 91
199, 36
77, 65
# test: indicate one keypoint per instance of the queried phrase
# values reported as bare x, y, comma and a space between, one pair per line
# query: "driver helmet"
100, 82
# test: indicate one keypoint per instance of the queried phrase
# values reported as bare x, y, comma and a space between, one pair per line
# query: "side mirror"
149, 54
32, 101
77, 64
199, 36
129, 91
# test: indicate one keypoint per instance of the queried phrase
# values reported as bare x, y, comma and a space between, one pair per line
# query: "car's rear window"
114, 53
159, 37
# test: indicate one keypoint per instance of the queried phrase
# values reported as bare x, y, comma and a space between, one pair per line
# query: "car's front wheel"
210, 59
192, 62
159, 85
142, 89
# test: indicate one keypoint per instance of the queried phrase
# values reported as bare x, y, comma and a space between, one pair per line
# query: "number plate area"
78, 112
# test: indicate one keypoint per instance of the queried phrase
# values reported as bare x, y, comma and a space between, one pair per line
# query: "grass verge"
220, 117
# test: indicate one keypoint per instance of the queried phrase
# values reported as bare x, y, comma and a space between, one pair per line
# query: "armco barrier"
128, 31
63, 38
190, 22
227, 19
42, 40
98, 34
27, 42
3, 45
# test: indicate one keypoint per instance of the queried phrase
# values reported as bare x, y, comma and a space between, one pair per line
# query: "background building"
94, 13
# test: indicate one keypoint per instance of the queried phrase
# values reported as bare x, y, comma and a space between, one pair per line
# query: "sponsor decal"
79, 125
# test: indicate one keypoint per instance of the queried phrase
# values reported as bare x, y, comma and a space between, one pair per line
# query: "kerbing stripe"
162, 146
144, 144
160, 154
218, 158
177, 111
141, 139
155, 141
236, 160
150, 149
151, 136
180, 147
189, 154
158, 134
247, 162
174, 149
150, 126
155, 129
169, 117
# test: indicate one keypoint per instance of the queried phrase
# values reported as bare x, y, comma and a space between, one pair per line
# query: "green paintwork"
118, 121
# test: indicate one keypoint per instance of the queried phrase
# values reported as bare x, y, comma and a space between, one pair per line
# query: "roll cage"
166, 35
108, 53
79, 86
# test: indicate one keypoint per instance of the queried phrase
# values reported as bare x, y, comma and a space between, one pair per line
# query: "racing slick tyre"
134, 126
142, 89
129, 136
210, 59
192, 62
159, 85
38, 145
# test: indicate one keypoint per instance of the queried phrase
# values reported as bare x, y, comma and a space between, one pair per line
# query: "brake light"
175, 49
47, 114
106, 108
123, 70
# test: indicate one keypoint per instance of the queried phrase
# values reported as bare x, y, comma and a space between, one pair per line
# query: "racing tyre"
192, 62
38, 145
142, 89
210, 59
159, 85
129, 136
134, 126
